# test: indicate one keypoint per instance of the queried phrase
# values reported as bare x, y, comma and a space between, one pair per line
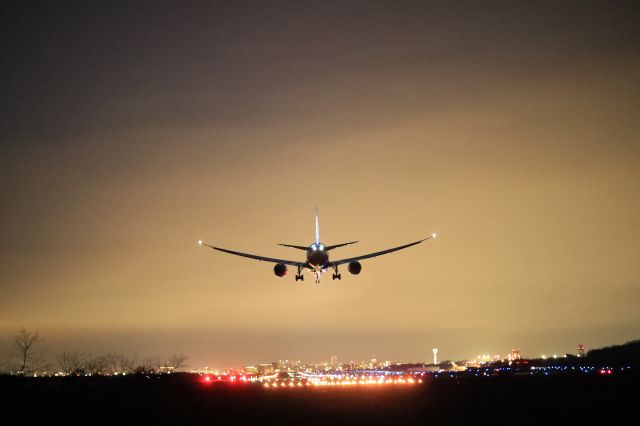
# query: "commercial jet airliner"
317, 257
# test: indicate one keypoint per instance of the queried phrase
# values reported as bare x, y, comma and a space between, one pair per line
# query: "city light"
299, 375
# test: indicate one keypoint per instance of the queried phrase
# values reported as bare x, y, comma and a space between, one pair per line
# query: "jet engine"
280, 270
355, 268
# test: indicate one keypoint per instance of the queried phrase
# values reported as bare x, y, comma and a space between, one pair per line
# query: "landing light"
200, 242
433, 235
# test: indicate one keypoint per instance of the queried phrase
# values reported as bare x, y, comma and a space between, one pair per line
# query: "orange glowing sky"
130, 132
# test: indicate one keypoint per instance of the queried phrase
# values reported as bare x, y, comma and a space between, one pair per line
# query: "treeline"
29, 358
74, 363
628, 353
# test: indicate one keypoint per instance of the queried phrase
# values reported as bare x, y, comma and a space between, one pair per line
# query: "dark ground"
183, 399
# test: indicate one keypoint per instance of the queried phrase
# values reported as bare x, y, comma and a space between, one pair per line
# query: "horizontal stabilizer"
294, 246
339, 245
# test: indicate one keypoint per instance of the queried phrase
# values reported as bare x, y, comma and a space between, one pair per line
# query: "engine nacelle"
355, 268
280, 270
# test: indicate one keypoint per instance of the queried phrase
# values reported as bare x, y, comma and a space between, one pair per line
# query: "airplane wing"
253, 256
378, 253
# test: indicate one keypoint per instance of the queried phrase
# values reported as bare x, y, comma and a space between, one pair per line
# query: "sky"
130, 130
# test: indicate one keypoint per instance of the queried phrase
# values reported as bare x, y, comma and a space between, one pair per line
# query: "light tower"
435, 356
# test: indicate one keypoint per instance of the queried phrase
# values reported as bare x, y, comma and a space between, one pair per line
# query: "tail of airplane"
317, 239
317, 227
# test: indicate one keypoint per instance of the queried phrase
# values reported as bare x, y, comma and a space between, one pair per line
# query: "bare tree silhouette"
24, 343
95, 365
128, 363
176, 361
69, 362
149, 365
113, 362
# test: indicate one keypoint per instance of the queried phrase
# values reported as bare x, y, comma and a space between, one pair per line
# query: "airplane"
317, 257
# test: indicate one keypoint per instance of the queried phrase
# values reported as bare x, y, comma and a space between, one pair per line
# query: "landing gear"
337, 275
299, 275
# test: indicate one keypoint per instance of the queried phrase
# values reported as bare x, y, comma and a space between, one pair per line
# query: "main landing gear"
299, 275
337, 275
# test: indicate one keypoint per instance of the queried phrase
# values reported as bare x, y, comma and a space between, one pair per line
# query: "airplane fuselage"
317, 256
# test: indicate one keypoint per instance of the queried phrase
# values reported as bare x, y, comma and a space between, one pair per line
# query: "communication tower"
581, 350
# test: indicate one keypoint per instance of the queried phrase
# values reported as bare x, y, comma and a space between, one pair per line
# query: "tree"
113, 362
176, 361
149, 365
95, 365
129, 364
69, 362
30, 358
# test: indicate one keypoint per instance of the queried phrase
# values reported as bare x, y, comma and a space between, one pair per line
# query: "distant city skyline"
145, 348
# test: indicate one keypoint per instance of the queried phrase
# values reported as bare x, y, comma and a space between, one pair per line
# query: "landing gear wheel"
300, 277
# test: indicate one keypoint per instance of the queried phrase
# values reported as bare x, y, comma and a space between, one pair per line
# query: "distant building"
423, 369
266, 369
333, 362
435, 356
374, 362
581, 350
349, 366
250, 369
515, 355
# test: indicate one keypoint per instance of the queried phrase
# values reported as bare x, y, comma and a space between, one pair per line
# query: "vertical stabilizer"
317, 228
